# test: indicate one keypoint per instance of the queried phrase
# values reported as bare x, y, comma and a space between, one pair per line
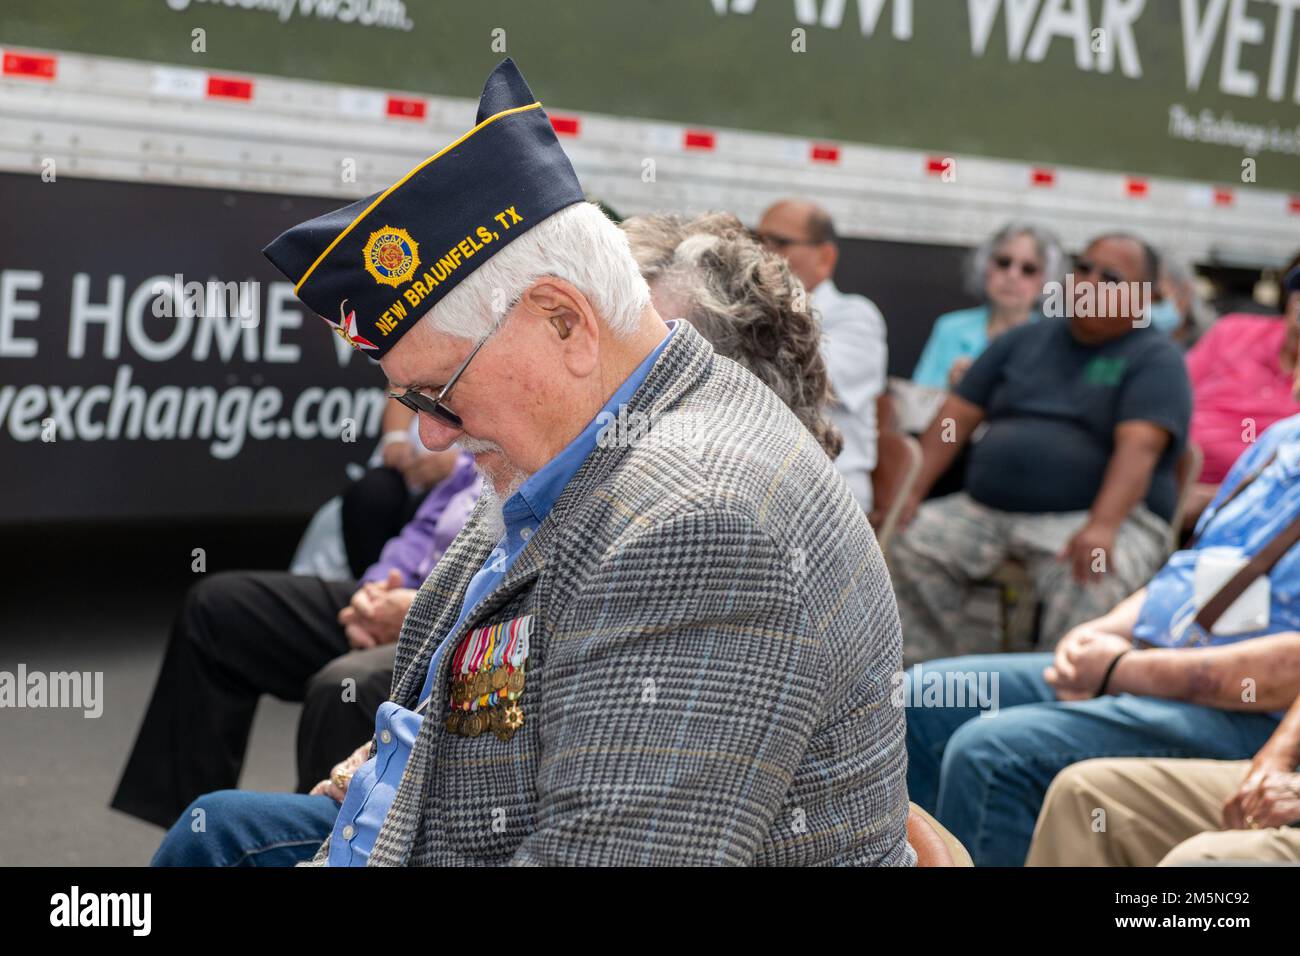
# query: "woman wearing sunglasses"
1008, 272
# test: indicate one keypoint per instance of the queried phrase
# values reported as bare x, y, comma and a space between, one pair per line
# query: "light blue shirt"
955, 335
375, 783
1248, 522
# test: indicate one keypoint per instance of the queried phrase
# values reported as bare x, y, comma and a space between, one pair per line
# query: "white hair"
578, 244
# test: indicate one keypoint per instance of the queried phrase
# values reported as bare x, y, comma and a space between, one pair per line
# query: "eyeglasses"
1028, 269
416, 402
1086, 267
775, 243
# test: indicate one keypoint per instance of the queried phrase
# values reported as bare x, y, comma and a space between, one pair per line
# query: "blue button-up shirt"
374, 785
1248, 522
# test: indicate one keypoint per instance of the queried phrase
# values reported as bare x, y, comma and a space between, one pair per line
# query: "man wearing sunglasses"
641, 649
853, 332
1084, 417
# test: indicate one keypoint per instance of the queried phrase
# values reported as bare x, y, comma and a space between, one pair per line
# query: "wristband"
1105, 681
393, 437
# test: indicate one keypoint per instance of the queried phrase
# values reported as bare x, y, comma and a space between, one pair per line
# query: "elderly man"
1083, 420
645, 647
1200, 663
853, 332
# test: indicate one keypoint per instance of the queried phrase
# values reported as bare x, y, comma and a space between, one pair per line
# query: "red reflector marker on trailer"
699, 139
565, 125
825, 153
230, 88
29, 64
406, 107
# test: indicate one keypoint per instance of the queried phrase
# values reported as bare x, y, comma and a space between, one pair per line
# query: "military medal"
515, 682
514, 716
488, 679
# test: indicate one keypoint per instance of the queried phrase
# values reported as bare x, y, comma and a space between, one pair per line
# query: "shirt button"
385, 737
348, 832
525, 533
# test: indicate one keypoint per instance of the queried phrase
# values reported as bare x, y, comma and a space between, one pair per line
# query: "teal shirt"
955, 334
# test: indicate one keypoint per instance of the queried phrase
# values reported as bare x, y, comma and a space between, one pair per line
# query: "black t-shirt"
1052, 405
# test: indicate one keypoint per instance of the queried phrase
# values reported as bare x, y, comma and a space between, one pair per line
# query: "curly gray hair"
745, 301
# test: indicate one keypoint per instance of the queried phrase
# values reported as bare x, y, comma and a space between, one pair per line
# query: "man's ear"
566, 311
551, 299
830, 257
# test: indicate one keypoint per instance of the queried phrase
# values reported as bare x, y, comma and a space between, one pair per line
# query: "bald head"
802, 232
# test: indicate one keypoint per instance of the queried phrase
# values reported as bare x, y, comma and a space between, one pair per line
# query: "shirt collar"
536, 496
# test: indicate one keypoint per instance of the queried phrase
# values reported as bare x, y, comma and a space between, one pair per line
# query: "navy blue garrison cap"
381, 263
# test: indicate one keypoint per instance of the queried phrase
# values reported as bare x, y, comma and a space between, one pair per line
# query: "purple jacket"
427, 536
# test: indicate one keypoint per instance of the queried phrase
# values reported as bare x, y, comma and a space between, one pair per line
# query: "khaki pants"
955, 543
1145, 812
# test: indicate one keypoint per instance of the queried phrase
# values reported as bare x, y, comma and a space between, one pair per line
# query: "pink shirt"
1236, 379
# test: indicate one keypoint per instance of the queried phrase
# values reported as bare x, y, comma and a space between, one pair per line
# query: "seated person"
242, 634
1086, 418
1182, 312
742, 301
1168, 812
1168, 672
1008, 272
708, 271
379, 504
853, 333
684, 493
1241, 372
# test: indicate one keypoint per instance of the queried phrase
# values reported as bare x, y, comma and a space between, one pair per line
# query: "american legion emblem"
391, 256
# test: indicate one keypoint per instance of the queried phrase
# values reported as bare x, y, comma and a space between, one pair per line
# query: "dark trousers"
237, 636
375, 508
338, 710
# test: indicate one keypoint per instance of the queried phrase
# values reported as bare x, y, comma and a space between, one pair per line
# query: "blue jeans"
984, 778
243, 828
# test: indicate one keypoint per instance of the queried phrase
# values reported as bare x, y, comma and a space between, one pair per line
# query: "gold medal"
504, 734
513, 716
515, 682
453, 722
473, 724
499, 678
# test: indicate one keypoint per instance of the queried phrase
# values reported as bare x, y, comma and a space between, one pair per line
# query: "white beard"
493, 498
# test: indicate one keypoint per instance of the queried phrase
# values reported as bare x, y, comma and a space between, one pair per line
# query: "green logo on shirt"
1105, 371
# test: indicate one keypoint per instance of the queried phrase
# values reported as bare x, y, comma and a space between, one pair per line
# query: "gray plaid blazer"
711, 664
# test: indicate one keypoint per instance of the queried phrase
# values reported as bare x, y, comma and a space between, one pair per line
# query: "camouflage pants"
942, 562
